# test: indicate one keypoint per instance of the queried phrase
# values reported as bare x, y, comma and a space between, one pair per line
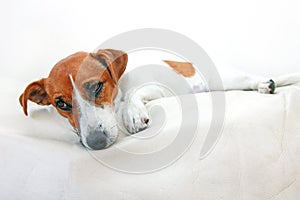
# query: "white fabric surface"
256, 157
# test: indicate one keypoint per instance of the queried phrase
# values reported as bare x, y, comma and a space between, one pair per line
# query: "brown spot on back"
184, 68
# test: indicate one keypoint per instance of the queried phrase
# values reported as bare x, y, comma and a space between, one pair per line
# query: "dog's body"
84, 88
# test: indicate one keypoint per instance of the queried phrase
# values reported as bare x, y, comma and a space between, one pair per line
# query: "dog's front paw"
135, 116
267, 87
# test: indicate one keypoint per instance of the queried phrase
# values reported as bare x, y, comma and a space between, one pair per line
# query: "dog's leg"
134, 113
233, 79
242, 81
250, 82
288, 79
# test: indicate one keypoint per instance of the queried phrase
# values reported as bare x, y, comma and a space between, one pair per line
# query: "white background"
255, 35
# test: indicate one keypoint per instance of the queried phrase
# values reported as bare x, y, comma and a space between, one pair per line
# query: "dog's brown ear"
119, 63
114, 60
34, 92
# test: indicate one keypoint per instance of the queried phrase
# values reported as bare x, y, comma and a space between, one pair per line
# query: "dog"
84, 87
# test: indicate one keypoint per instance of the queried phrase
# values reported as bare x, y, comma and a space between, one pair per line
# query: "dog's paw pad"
267, 87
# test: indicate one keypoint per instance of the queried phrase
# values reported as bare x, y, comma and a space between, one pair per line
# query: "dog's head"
82, 87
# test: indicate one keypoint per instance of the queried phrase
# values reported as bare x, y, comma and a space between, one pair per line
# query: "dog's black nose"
96, 140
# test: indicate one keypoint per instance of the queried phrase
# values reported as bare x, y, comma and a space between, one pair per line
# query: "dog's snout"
97, 140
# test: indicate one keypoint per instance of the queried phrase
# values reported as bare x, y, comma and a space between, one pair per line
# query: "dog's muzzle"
98, 130
97, 124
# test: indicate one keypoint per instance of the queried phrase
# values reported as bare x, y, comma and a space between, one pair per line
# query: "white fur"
134, 108
95, 117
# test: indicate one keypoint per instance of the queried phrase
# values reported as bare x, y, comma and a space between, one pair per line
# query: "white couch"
256, 157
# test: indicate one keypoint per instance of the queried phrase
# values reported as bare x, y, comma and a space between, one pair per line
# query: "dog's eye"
63, 105
98, 88
94, 89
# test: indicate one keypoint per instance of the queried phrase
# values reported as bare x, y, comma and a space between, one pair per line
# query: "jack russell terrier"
84, 88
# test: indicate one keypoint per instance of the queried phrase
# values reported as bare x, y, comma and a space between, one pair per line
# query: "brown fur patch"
184, 68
